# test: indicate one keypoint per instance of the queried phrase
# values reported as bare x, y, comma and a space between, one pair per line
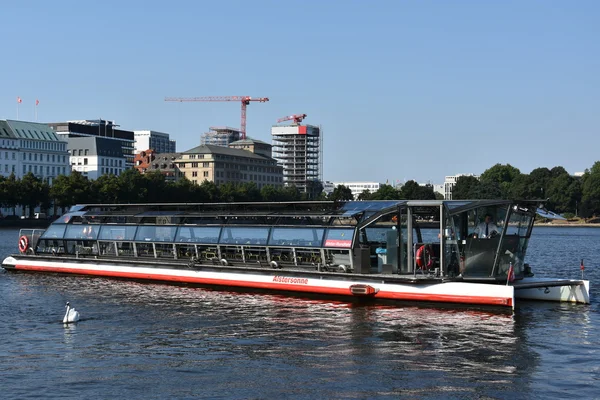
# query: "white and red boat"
431, 251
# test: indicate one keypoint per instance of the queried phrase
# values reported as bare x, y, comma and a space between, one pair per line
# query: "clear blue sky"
403, 90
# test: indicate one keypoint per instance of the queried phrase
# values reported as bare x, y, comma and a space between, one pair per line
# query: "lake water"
152, 341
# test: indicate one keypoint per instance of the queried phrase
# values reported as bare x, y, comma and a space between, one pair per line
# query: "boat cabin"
475, 240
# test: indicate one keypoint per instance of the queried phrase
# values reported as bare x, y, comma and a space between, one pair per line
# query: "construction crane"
245, 100
297, 118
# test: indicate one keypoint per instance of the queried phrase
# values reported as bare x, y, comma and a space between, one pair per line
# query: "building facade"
159, 142
94, 156
449, 183
298, 149
216, 164
32, 147
358, 187
99, 128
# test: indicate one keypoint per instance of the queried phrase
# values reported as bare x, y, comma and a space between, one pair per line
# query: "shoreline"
567, 225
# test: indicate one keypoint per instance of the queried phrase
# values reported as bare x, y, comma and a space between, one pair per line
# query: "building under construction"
298, 149
220, 136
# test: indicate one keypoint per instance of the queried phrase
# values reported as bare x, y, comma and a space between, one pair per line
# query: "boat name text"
285, 279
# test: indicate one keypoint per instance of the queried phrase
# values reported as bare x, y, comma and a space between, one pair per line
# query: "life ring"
424, 257
23, 244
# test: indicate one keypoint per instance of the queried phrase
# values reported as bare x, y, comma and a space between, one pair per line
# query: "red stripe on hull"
442, 298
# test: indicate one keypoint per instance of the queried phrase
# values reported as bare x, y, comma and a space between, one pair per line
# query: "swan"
71, 315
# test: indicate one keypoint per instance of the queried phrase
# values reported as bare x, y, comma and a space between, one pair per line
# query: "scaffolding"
220, 136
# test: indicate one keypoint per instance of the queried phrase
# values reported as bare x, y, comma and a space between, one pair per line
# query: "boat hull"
548, 289
376, 287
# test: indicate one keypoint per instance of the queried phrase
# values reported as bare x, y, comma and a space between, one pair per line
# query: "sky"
402, 89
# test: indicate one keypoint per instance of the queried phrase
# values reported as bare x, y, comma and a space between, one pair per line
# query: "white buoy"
71, 315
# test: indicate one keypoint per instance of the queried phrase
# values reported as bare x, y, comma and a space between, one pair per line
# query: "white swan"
71, 315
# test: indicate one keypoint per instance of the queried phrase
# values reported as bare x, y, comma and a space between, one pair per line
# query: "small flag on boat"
19, 100
37, 102
582, 267
511, 274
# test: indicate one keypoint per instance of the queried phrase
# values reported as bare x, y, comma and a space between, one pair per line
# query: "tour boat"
389, 250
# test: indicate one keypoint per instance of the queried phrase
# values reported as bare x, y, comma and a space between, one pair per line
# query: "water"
155, 341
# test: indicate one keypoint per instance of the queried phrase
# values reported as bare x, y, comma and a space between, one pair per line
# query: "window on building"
205, 174
194, 173
194, 165
85, 161
86, 152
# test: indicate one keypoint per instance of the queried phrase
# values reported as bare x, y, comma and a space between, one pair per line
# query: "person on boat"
487, 228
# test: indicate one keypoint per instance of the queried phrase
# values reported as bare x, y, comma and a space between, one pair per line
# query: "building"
98, 128
94, 156
217, 164
166, 163
253, 146
439, 188
358, 187
158, 141
32, 147
298, 149
449, 183
220, 136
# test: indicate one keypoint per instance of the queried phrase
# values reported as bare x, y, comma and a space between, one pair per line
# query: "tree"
564, 194
591, 191
386, 192
209, 192
314, 189
248, 191
522, 188
106, 189
132, 187
365, 195
10, 188
156, 187
499, 176
488, 190
32, 192
465, 188
341, 193
80, 188
269, 193
60, 192
540, 179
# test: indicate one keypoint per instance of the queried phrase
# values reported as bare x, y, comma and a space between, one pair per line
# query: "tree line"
564, 193
129, 187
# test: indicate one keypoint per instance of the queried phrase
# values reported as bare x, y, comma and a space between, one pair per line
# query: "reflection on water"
187, 342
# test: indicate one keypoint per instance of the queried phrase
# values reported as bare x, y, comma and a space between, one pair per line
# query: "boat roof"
341, 209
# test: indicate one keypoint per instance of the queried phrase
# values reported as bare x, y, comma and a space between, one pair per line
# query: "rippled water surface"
157, 341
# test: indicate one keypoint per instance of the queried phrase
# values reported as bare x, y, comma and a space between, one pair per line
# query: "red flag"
37, 102
510, 276
19, 100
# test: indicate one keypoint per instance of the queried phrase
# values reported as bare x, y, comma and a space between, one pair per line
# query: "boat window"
339, 238
198, 234
301, 237
518, 224
54, 231
244, 235
88, 232
154, 233
117, 232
